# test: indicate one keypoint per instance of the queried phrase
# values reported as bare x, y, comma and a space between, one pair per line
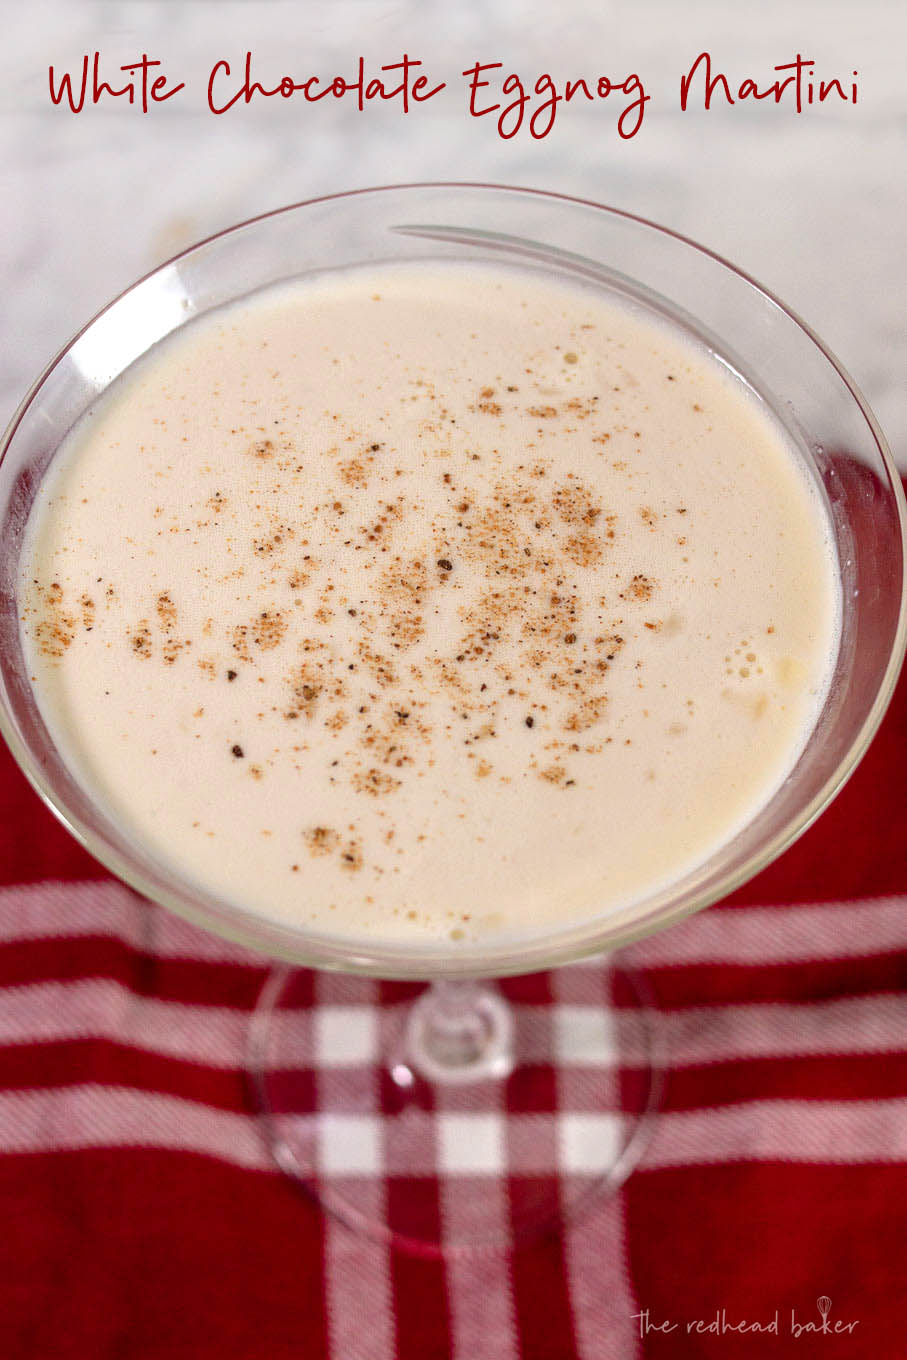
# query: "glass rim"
507, 956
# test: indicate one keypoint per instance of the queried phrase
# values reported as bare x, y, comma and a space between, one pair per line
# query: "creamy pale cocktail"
430, 601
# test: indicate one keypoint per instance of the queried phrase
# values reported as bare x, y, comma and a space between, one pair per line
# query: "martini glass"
364, 1096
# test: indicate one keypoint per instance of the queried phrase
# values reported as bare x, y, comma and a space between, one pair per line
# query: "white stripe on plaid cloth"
357, 1283
91, 1115
745, 935
346, 1035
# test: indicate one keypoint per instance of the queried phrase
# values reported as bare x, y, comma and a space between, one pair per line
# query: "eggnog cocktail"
430, 602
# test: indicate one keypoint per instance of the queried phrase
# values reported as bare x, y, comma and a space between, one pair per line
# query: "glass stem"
461, 1031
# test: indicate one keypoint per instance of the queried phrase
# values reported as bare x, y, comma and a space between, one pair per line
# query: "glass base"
462, 1116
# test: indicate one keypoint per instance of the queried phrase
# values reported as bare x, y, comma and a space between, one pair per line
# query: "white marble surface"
815, 206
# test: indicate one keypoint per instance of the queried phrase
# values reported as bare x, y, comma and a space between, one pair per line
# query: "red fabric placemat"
142, 1217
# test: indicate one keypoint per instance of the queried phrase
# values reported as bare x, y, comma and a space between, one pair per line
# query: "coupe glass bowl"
747, 328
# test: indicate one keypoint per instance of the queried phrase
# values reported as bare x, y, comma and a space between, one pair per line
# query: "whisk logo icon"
823, 1328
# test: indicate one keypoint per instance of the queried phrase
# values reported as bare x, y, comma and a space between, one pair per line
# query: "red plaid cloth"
142, 1217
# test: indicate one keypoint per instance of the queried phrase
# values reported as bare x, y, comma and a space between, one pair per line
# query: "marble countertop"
814, 205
